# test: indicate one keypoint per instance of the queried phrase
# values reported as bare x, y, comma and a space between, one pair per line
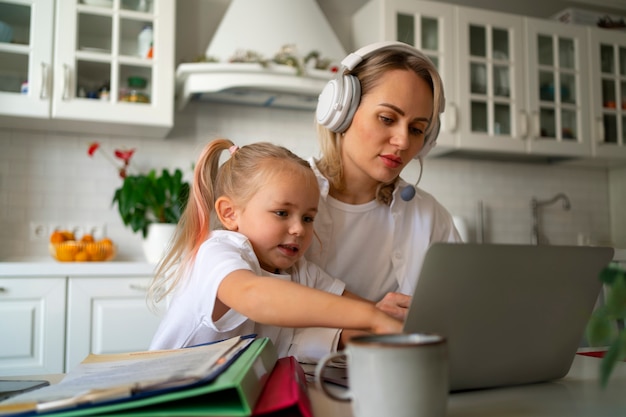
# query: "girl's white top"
188, 320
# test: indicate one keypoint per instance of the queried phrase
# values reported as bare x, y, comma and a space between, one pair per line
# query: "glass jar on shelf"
136, 92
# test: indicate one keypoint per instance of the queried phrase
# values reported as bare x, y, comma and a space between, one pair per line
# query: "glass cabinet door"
613, 91
106, 59
558, 94
25, 57
491, 66
107, 62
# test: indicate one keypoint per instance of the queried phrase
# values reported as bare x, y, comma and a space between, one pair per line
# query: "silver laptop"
512, 314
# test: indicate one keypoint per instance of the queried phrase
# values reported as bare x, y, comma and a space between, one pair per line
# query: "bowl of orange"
65, 247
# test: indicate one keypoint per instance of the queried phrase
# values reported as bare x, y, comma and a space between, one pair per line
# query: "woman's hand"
395, 304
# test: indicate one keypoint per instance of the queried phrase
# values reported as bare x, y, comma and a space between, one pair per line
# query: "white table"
577, 395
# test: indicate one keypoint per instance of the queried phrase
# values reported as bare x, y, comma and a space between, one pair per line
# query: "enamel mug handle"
343, 395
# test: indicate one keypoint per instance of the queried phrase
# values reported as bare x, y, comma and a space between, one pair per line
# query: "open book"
141, 382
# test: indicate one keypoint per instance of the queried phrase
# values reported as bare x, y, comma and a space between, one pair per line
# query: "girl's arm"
277, 302
393, 303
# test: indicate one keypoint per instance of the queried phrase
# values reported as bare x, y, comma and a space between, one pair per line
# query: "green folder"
233, 393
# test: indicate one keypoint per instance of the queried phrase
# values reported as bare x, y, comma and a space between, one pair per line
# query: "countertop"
51, 268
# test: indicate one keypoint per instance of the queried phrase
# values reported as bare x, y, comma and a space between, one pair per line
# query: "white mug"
393, 375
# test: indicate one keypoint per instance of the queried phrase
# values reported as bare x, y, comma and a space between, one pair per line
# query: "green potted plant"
606, 325
151, 203
146, 199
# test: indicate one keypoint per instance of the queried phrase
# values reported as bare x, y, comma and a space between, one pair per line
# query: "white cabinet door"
32, 325
108, 315
608, 83
26, 60
97, 48
558, 91
492, 95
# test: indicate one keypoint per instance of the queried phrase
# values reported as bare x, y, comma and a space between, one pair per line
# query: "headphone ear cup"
335, 104
352, 98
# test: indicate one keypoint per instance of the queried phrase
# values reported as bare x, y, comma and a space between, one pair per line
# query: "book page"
105, 377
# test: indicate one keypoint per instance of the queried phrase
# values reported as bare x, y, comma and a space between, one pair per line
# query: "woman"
373, 228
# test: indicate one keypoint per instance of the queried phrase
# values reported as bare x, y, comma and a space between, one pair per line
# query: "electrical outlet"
98, 231
53, 227
38, 232
77, 229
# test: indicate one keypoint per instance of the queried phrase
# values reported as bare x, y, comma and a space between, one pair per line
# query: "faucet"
535, 205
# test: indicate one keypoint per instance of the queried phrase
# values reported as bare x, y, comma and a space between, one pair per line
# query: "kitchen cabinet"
51, 323
78, 66
106, 315
32, 325
608, 82
514, 85
558, 93
491, 93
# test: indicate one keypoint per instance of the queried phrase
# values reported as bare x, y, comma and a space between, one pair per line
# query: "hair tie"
233, 149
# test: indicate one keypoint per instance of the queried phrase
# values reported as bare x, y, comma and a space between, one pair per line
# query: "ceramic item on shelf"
6, 33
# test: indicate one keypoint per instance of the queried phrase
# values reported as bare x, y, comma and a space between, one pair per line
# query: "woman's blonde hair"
369, 72
238, 178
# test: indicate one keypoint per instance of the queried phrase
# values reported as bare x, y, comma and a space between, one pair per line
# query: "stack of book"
241, 376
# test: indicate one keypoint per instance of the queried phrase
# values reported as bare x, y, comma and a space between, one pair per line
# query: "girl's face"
278, 220
387, 130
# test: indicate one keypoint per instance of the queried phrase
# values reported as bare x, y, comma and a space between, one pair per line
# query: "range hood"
264, 27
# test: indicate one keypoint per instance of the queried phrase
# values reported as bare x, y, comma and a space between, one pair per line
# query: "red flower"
93, 147
124, 155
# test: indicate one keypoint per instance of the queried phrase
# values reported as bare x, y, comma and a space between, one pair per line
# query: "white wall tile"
48, 178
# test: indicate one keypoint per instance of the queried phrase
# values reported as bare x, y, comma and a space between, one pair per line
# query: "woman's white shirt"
395, 239
188, 320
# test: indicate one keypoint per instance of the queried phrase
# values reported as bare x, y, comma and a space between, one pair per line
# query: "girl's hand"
395, 304
384, 323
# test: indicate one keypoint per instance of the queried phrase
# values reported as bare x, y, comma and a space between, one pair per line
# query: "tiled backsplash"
48, 178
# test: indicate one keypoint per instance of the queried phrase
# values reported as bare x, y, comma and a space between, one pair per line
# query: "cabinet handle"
3, 290
523, 123
536, 126
601, 138
452, 120
66, 82
141, 288
44, 81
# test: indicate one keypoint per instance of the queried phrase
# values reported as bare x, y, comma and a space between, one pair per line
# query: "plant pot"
157, 241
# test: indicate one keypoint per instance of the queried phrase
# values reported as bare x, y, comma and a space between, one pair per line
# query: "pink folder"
285, 393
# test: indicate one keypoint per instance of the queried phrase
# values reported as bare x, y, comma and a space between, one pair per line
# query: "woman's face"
387, 130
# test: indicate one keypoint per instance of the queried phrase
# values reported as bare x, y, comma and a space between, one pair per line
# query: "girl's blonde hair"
369, 72
238, 178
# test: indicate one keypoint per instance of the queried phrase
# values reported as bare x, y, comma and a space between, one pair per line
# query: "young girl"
251, 276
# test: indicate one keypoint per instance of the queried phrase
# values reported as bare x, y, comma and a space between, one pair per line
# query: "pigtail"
194, 225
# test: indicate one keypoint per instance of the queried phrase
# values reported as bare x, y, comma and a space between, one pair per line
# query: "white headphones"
340, 98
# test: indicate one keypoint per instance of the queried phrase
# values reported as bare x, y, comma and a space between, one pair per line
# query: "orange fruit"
87, 238
81, 256
67, 251
68, 235
96, 251
57, 237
